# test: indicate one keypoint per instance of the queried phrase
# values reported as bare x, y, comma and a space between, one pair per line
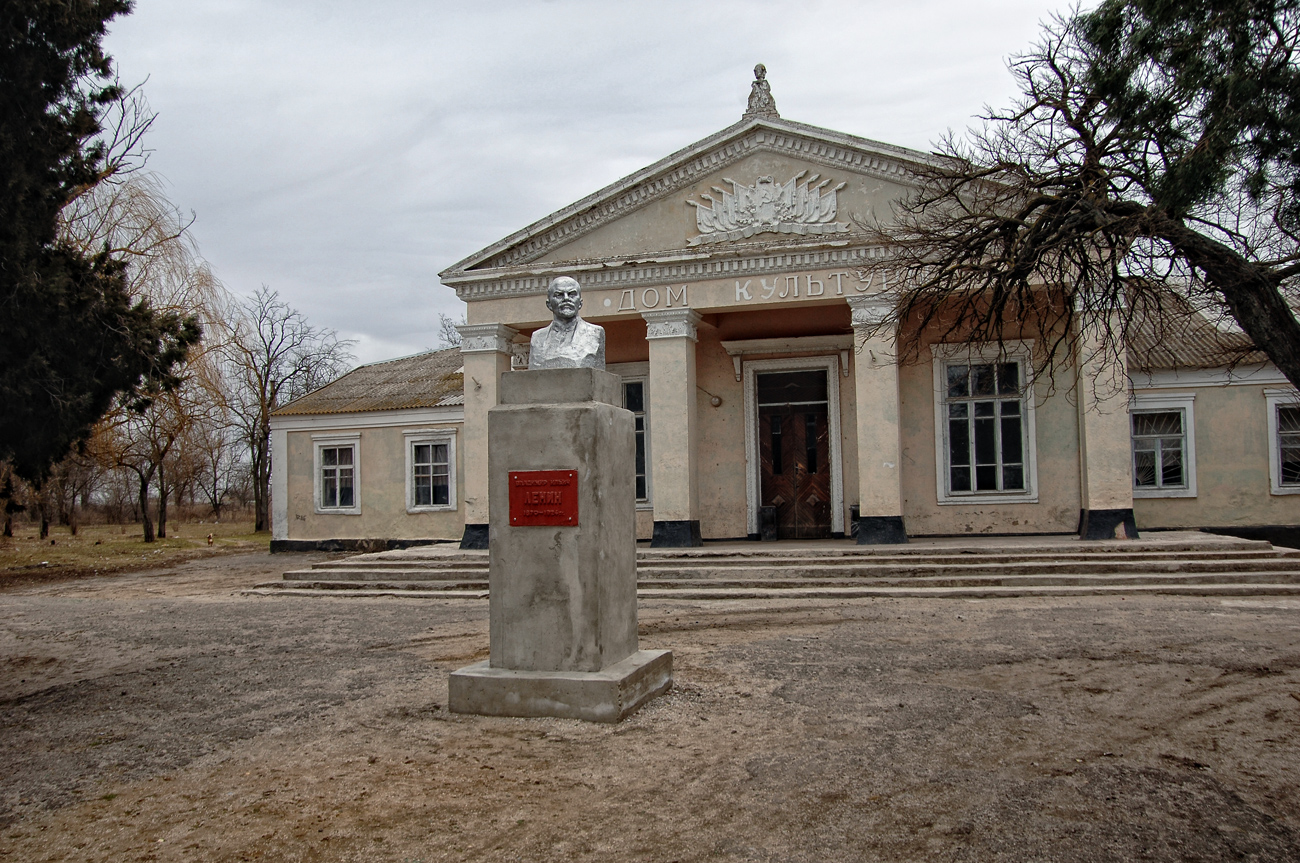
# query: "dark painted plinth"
881, 530
1103, 524
475, 536
359, 545
1285, 535
767, 524
676, 534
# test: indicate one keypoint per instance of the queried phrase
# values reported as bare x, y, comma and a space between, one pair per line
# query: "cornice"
821, 146
345, 422
602, 275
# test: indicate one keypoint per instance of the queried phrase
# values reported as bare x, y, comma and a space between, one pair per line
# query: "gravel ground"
163, 716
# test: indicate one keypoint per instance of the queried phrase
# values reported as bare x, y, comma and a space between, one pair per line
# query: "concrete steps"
1173, 563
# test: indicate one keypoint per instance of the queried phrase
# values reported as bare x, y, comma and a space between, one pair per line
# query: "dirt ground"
162, 716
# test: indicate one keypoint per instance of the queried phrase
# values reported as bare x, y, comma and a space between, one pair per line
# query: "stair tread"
845, 593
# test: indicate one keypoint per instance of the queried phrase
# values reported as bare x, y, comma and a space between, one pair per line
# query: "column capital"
671, 324
485, 338
870, 310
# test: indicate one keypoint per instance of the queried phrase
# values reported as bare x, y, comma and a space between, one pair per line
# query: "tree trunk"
1250, 293
261, 484
163, 494
144, 508
72, 518
9, 526
43, 507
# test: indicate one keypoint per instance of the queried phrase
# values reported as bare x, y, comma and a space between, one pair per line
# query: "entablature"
752, 260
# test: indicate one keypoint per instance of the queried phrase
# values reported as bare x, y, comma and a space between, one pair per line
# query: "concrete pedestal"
596, 696
562, 598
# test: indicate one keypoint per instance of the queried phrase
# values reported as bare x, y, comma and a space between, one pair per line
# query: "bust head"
564, 298
760, 71
568, 342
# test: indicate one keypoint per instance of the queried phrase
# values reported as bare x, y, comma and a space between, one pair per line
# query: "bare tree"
140, 437
215, 445
10, 491
448, 335
130, 216
273, 355
74, 479
1146, 175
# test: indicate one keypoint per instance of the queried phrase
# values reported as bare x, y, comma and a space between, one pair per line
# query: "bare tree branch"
1123, 195
273, 355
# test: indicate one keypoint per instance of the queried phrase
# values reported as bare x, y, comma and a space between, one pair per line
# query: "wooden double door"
794, 452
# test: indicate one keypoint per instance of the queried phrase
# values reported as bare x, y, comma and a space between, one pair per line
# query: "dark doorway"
794, 452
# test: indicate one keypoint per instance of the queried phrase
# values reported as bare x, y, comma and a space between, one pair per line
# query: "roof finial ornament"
761, 103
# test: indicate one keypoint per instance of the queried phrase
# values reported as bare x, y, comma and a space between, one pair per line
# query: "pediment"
760, 182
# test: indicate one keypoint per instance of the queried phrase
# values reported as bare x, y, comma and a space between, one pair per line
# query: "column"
671, 334
1105, 447
485, 351
875, 378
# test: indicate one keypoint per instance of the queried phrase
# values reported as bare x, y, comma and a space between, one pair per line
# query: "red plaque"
544, 498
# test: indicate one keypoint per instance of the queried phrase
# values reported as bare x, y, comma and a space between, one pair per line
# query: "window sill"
646, 506
449, 507
986, 499
1286, 489
1149, 493
356, 510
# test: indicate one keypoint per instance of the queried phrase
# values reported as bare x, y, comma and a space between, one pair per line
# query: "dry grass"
100, 549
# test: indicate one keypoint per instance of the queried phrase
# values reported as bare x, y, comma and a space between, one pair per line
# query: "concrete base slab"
608, 695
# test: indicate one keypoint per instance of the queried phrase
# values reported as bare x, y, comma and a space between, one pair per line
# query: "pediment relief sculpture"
800, 206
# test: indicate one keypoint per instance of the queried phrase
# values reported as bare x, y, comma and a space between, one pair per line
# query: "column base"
881, 530
596, 696
475, 537
676, 534
1107, 524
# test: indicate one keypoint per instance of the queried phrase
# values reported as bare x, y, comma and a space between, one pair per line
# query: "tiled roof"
433, 379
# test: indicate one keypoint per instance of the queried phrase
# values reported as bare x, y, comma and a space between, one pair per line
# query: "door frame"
752, 368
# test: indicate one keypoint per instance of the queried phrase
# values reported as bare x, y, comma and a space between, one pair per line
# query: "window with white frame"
430, 470
634, 400
1163, 439
337, 474
984, 423
1284, 440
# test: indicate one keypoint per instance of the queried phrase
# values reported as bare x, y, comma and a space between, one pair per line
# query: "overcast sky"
345, 152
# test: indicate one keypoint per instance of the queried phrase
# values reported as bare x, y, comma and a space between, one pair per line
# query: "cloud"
343, 154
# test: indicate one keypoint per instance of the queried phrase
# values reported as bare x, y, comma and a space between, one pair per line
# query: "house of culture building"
767, 400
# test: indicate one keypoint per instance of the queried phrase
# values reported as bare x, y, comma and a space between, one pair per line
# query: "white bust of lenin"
569, 342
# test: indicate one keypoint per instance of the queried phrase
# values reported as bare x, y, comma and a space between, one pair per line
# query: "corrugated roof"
1167, 333
433, 379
